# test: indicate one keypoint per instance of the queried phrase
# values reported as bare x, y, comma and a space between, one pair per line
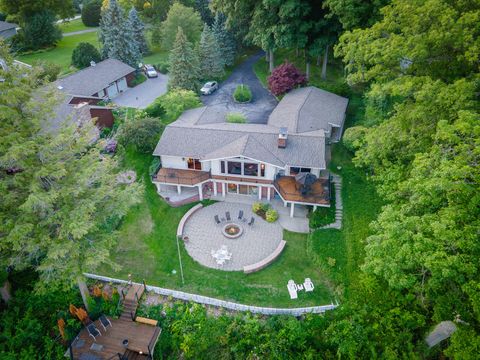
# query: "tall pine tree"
117, 36
209, 55
184, 68
225, 39
138, 29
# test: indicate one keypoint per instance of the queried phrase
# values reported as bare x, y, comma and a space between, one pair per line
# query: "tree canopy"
180, 16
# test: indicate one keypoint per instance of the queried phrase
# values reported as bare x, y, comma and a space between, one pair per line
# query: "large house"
200, 150
7, 30
90, 86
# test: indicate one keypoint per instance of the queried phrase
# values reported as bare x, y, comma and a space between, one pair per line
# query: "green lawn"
74, 25
62, 53
147, 249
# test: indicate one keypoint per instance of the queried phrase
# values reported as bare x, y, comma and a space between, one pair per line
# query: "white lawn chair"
308, 284
292, 289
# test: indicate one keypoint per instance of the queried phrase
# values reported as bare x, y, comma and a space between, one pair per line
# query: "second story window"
194, 164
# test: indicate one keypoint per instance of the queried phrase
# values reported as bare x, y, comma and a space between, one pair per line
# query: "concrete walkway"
86, 31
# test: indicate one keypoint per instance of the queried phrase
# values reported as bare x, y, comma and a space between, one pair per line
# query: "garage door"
122, 84
112, 90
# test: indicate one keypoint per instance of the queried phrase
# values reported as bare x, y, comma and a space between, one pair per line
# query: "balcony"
291, 190
181, 176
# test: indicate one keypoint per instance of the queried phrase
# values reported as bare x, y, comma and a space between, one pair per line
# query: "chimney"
282, 138
92, 63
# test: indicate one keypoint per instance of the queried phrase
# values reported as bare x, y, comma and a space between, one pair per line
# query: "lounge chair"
105, 322
308, 285
252, 220
93, 331
292, 289
227, 215
217, 220
240, 215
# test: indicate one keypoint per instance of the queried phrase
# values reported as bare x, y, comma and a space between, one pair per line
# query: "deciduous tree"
180, 16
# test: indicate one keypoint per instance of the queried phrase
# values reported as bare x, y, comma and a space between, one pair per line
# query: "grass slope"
147, 249
62, 53
73, 25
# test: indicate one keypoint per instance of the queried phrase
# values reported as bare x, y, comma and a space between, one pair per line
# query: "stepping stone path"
337, 181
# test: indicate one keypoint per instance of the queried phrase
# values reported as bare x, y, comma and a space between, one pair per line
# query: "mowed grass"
147, 249
62, 53
73, 25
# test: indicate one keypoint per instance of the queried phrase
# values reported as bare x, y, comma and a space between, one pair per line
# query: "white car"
209, 88
150, 71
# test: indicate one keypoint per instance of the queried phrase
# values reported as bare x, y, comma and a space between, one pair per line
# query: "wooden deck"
181, 176
141, 337
289, 189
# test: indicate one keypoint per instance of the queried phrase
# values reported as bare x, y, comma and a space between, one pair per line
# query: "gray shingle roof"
308, 114
93, 79
6, 25
309, 109
227, 140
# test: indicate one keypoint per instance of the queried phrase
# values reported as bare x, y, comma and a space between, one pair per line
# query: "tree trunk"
267, 55
318, 60
324, 65
296, 52
271, 61
82, 286
307, 71
5, 291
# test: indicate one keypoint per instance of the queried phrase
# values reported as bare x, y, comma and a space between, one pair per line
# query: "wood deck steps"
131, 355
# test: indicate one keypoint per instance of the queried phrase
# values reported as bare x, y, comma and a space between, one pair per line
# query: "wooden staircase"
130, 301
132, 355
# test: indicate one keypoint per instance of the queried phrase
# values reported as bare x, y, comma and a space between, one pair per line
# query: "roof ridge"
267, 150
310, 89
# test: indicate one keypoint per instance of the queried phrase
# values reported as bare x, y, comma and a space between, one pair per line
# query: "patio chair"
240, 215
227, 215
217, 220
292, 289
252, 220
308, 285
105, 322
93, 331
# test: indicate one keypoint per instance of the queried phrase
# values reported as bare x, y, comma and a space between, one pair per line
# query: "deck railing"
174, 177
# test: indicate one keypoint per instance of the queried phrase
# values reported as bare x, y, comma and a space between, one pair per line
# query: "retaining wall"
222, 303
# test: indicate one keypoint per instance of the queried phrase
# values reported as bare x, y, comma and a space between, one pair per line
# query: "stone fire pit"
232, 231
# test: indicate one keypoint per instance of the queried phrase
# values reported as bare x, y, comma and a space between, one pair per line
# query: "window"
296, 170
194, 164
235, 168
222, 167
250, 169
262, 170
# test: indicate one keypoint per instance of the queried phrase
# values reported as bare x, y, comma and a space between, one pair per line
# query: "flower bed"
265, 212
242, 94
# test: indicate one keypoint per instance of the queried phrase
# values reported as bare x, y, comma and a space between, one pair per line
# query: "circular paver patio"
204, 235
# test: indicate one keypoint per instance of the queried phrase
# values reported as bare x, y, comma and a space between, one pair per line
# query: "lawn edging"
222, 303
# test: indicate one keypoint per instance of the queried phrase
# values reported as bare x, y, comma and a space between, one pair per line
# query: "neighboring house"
262, 160
94, 84
105, 80
7, 30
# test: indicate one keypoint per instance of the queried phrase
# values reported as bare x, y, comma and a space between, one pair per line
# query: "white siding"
215, 167
174, 162
206, 165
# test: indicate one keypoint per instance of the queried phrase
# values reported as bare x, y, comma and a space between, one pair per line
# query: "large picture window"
234, 168
297, 170
250, 169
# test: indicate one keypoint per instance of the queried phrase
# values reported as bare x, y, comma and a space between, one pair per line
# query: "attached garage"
112, 90
122, 85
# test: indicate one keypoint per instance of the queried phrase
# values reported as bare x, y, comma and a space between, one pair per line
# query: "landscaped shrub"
91, 12
260, 209
236, 118
354, 137
163, 67
138, 79
48, 70
154, 165
242, 94
103, 303
83, 54
40, 31
271, 215
140, 133
285, 78
173, 103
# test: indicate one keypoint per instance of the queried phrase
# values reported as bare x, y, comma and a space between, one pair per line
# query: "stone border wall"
222, 303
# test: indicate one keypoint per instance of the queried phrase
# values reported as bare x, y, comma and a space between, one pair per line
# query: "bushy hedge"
141, 133
354, 137
242, 94
172, 104
83, 54
285, 78
237, 118
91, 12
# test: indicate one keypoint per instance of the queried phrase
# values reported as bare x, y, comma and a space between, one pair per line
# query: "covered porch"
181, 185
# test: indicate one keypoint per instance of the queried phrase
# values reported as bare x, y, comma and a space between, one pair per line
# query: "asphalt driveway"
144, 94
262, 103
